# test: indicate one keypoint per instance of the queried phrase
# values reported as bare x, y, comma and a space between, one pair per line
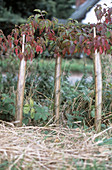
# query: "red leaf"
101, 50
64, 51
4, 46
16, 51
95, 48
68, 51
84, 50
88, 42
75, 42
0, 39
72, 48
106, 21
20, 56
39, 49
88, 52
105, 48
10, 43
16, 42
76, 50
15, 35
51, 36
40, 31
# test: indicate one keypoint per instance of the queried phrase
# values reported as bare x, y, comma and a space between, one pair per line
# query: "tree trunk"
98, 88
57, 89
81, 11
20, 88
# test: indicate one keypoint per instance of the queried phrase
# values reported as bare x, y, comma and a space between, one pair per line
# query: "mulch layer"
53, 148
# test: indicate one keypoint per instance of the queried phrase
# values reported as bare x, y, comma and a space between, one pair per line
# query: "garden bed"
32, 147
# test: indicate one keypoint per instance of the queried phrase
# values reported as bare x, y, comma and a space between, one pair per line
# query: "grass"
77, 65
73, 65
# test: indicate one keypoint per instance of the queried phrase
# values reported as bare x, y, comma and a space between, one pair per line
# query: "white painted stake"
98, 89
20, 88
57, 89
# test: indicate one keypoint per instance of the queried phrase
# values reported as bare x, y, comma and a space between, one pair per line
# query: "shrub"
77, 102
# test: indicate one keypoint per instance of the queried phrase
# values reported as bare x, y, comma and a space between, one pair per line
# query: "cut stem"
57, 89
20, 88
98, 88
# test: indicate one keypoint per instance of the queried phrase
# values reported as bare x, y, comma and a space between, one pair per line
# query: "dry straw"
52, 148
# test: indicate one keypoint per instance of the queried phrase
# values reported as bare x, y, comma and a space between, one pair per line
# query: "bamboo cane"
20, 88
98, 89
57, 89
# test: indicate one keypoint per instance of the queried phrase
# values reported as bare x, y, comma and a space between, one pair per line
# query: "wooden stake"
20, 88
98, 88
57, 89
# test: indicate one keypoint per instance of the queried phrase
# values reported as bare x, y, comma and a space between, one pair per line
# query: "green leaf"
4, 164
25, 121
13, 112
70, 19
103, 125
108, 34
106, 142
79, 33
93, 113
36, 17
65, 41
32, 114
75, 21
37, 10
31, 102
32, 110
8, 100
111, 47
44, 117
30, 17
42, 113
43, 11
26, 108
36, 116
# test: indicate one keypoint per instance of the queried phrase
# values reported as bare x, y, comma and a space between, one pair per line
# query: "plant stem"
57, 89
98, 89
20, 88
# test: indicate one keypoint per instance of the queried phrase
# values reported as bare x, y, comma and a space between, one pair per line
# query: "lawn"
73, 65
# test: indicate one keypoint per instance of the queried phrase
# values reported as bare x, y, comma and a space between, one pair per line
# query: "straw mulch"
32, 148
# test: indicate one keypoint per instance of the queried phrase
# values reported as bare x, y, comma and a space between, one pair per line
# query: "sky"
90, 16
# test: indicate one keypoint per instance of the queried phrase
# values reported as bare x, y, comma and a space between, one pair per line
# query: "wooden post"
57, 89
20, 88
98, 89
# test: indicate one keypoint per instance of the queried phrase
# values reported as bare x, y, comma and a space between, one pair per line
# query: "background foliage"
15, 12
54, 8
